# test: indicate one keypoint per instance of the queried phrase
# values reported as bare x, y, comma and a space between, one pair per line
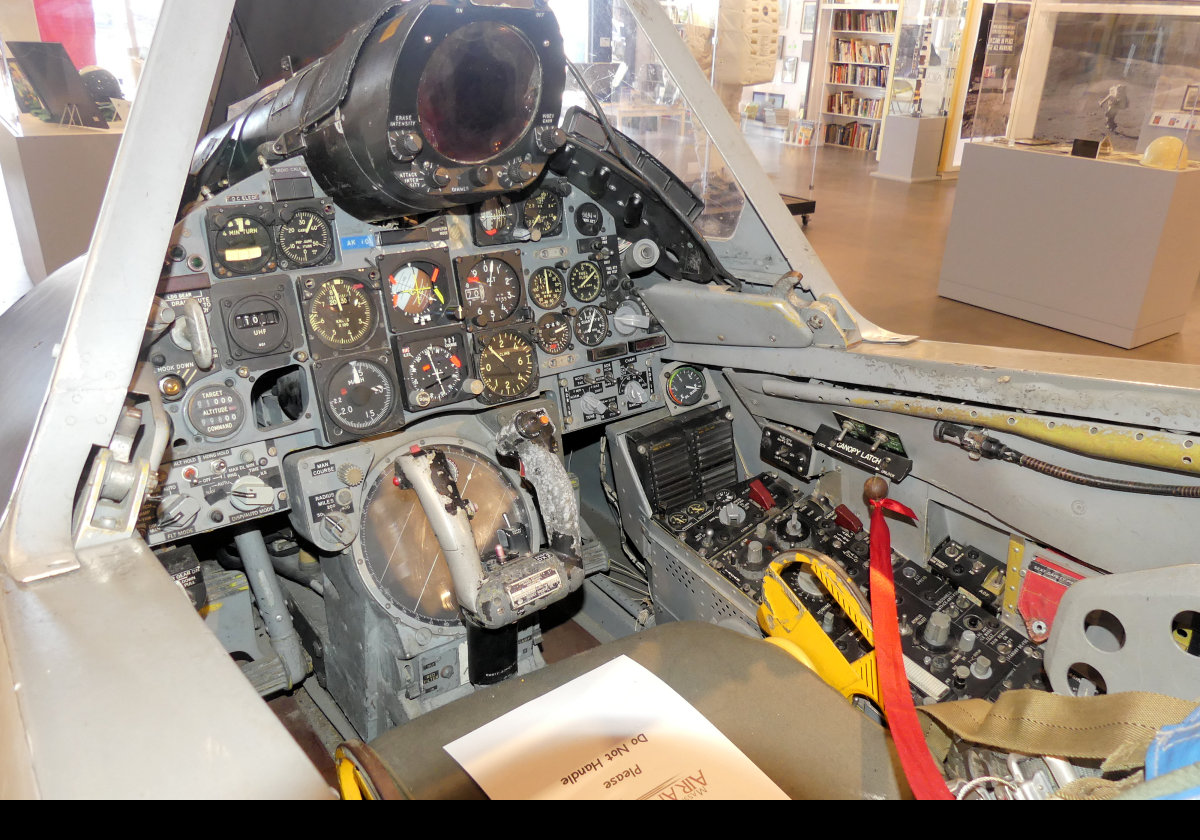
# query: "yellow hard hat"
1166, 153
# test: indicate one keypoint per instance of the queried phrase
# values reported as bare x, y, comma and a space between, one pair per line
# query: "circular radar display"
586, 281
360, 396
216, 411
243, 245
417, 291
591, 326
553, 333
306, 239
497, 216
404, 567
685, 386
546, 288
508, 366
433, 373
340, 313
491, 291
543, 214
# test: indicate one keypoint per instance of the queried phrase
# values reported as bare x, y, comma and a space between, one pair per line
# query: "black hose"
1182, 490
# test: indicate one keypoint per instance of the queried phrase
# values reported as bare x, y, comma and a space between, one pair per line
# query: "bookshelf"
859, 51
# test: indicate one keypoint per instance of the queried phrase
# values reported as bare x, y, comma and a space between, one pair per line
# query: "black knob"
633, 211
549, 139
561, 162
563, 188
598, 181
481, 176
438, 177
404, 145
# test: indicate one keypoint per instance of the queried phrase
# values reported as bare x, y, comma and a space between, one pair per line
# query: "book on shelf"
861, 52
849, 74
854, 20
800, 132
854, 135
847, 103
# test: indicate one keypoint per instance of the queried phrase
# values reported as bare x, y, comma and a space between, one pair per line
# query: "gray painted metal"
1111, 531
99, 349
268, 594
122, 693
110, 667
760, 193
1143, 656
1135, 393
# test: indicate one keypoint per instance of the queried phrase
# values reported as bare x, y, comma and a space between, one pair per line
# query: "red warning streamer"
923, 775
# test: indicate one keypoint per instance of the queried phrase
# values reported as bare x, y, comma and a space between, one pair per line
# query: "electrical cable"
982, 445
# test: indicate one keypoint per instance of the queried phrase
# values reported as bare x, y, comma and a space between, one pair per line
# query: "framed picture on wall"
808, 17
782, 46
784, 10
790, 67
1191, 98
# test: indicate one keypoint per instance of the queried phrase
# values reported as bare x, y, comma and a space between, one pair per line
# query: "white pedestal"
1098, 248
56, 177
911, 148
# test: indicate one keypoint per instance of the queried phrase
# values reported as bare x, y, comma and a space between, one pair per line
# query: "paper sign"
618, 732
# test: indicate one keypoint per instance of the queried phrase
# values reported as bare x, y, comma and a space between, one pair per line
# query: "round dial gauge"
306, 239
404, 567
678, 520
586, 281
417, 292
685, 386
360, 395
697, 509
508, 365
216, 411
491, 291
591, 326
546, 288
432, 375
496, 216
588, 219
340, 313
553, 333
543, 213
243, 245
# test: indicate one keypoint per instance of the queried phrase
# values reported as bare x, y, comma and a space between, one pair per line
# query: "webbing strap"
923, 775
1114, 727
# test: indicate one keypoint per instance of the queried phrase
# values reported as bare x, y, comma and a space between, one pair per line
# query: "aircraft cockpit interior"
418, 361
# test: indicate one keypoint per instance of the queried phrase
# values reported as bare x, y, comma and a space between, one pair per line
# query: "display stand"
1098, 248
55, 176
912, 150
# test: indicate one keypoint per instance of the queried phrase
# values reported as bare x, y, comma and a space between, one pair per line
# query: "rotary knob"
350, 475
404, 145
176, 511
250, 492
593, 404
549, 139
635, 394
437, 176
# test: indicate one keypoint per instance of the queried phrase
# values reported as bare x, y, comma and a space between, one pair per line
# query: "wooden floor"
883, 241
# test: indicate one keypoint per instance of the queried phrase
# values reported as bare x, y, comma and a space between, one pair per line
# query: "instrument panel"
326, 329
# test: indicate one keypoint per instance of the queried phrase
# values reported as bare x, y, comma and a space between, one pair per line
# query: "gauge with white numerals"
360, 396
685, 386
591, 326
491, 291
